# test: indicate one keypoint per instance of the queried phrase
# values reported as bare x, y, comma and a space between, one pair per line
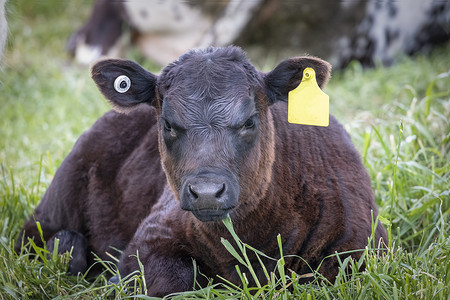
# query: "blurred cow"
393, 27
3, 27
162, 29
340, 31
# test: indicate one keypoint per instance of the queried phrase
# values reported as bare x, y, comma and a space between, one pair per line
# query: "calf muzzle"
210, 195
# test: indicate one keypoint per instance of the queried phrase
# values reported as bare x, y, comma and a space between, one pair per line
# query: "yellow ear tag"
307, 103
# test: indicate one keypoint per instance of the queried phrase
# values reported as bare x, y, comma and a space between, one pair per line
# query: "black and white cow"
340, 31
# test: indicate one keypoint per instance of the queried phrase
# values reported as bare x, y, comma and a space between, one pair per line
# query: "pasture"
398, 118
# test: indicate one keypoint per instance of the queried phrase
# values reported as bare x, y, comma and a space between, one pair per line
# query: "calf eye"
249, 124
168, 128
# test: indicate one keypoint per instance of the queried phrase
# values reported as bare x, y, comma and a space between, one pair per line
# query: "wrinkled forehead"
209, 91
209, 81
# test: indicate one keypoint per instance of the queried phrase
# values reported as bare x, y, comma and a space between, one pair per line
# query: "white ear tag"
122, 84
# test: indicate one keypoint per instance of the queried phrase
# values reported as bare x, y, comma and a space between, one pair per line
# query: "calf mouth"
211, 215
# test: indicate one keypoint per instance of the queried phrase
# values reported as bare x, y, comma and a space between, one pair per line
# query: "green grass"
398, 118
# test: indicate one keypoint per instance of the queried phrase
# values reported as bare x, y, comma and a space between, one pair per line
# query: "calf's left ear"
288, 75
124, 83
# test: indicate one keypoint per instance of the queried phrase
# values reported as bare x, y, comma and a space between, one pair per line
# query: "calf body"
209, 138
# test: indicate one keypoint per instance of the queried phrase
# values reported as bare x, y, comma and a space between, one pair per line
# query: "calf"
207, 138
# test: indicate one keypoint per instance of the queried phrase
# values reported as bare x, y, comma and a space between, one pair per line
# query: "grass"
398, 118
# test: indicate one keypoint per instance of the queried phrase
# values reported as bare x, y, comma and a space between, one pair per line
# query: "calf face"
216, 135
209, 126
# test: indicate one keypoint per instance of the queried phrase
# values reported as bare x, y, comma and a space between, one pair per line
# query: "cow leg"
75, 242
62, 205
166, 270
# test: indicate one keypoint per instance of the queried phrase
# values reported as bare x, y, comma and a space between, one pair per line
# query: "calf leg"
60, 210
166, 270
75, 242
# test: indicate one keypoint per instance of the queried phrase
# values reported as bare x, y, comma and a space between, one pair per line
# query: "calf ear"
288, 75
124, 83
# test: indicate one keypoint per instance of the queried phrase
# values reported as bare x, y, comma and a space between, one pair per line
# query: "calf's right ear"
124, 83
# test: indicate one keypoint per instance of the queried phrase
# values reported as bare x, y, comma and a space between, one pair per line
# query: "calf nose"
206, 194
209, 195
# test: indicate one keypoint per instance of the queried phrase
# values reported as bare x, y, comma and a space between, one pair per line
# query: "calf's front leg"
167, 269
74, 242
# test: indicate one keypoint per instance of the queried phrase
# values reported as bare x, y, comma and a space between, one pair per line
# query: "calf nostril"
220, 191
193, 192
209, 190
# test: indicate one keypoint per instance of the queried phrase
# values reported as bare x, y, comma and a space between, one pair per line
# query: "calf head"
216, 133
